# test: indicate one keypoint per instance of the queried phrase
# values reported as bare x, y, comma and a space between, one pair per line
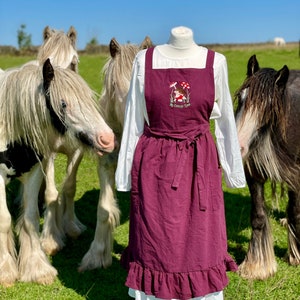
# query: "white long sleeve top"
136, 115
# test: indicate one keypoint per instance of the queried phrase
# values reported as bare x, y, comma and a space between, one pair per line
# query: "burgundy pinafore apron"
177, 238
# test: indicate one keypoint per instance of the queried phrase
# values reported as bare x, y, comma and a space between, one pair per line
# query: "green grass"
109, 283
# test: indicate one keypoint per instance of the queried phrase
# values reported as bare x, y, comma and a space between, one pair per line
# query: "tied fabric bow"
184, 146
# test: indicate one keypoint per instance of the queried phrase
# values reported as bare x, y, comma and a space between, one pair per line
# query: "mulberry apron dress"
177, 237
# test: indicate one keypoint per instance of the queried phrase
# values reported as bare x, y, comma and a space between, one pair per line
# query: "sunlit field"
109, 283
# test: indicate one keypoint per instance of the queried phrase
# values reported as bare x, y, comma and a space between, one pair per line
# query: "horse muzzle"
105, 143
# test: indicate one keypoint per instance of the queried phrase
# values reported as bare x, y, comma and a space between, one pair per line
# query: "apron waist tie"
184, 147
183, 144
184, 150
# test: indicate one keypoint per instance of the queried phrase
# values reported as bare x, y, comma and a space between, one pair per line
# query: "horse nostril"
104, 140
107, 140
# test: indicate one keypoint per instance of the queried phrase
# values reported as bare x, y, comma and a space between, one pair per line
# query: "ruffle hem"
179, 285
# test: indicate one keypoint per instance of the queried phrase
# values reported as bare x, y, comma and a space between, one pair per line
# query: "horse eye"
63, 104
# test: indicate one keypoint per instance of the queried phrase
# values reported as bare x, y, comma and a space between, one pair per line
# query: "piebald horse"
38, 103
268, 125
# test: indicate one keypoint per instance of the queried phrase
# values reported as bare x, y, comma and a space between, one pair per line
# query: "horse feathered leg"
8, 260
259, 262
33, 262
72, 226
59, 217
108, 217
293, 228
52, 237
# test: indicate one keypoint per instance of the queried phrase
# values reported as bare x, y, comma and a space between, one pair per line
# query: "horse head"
115, 48
261, 106
73, 109
117, 75
60, 48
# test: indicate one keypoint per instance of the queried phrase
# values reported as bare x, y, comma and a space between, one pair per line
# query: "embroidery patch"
180, 94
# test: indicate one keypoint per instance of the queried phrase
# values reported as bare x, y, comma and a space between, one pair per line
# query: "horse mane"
118, 69
267, 102
117, 74
59, 47
268, 150
24, 116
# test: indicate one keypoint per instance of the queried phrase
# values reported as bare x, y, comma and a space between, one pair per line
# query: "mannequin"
160, 142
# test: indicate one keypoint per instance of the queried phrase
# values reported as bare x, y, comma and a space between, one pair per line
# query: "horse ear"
282, 76
114, 47
74, 64
252, 66
48, 73
72, 35
46, 33
146, 43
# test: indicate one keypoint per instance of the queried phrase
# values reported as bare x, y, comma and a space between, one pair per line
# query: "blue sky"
216, 21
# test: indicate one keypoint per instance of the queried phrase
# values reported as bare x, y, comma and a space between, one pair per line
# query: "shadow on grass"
237, 211
95, 284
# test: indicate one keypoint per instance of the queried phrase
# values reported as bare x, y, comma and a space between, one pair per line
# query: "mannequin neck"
180, 44
181, 38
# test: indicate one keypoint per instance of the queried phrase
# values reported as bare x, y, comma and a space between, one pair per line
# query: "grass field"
109, 284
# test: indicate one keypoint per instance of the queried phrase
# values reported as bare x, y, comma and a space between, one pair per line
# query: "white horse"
36, 104
279, 41
117, 74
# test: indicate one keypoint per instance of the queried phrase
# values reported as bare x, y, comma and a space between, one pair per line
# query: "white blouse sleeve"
135, 116
225, 128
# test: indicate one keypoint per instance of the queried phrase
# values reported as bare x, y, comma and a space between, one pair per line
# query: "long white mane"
23, 112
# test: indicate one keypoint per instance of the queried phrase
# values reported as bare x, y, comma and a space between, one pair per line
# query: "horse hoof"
254, 271
91, 262
8, 272
74, 229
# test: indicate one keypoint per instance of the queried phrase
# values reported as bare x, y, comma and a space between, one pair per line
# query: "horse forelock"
59, 48
74, 90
